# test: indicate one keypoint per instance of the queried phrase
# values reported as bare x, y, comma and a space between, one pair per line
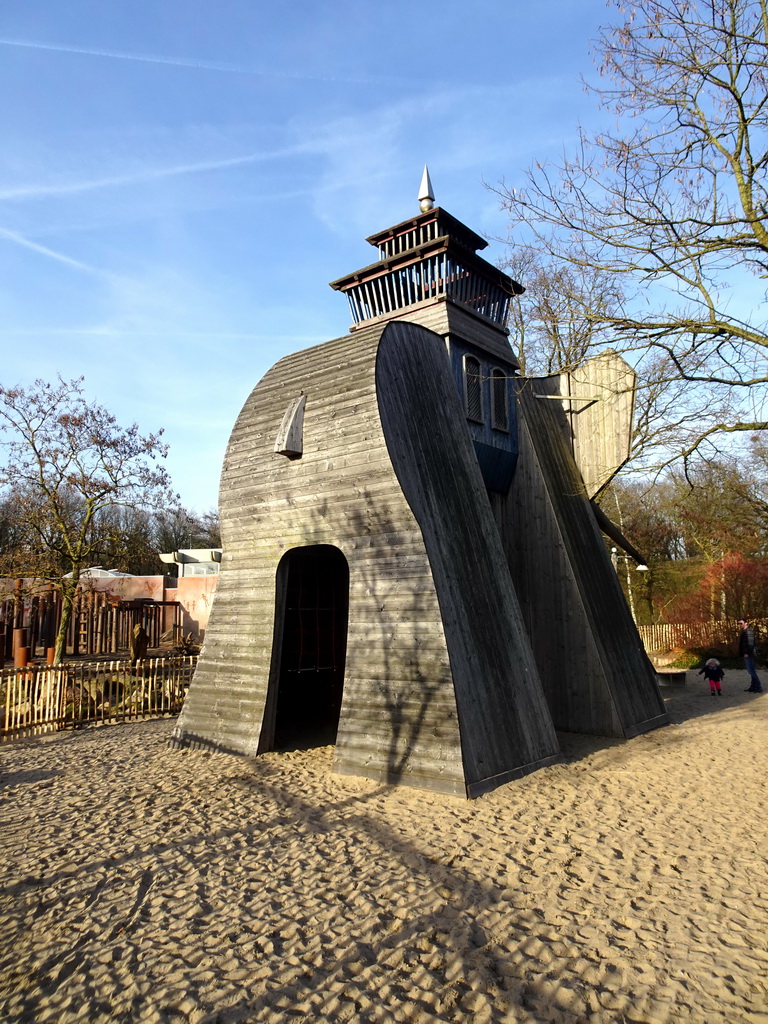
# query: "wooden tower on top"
429, 259
429, 273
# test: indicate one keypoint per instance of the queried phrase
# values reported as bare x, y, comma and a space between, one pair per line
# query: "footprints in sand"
203, 888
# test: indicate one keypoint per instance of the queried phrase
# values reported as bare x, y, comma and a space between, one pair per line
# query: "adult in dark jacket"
747, 651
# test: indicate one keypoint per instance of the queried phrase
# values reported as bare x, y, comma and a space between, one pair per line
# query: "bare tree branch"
68, 465
674, 208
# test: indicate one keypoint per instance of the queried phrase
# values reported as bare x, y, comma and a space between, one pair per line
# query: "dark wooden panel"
591, 659
504, 721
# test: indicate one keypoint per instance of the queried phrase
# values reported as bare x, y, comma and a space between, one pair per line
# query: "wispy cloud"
146, 174
164, 332
43, 250
203, 65
354, 184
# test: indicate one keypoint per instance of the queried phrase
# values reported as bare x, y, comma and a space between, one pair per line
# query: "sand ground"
628, 883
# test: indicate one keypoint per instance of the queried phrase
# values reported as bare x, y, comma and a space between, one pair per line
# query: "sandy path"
628, 883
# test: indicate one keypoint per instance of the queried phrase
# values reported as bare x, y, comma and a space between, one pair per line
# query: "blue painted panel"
497, 466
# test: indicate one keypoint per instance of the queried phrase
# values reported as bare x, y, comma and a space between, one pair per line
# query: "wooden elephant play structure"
413, 569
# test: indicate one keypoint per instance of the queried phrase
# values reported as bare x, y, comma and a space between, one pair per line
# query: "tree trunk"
630, 594
67, 606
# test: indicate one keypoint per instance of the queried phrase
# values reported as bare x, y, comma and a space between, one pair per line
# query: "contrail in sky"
34, 191
43, 250
200, 65
156, 173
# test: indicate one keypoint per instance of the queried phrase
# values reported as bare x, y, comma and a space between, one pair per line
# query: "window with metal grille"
473, 391
499, 406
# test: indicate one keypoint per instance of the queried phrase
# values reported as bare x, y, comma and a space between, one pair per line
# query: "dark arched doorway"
307, 678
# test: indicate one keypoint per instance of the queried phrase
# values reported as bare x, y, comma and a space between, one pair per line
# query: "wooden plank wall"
398, 720
448, 318
505, 726
601, 417
591, 660
441, 689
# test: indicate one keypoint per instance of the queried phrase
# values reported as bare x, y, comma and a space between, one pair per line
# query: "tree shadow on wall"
394, 641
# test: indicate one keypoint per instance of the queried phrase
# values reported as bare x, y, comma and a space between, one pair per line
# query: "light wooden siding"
601, 416
505, 725
591, 659
446, 317
398, 719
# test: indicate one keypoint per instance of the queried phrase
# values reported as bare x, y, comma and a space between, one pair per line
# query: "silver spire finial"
426, 195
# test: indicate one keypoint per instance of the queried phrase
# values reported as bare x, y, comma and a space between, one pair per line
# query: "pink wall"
195, 595
127, 588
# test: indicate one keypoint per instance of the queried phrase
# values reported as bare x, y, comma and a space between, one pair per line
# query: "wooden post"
20, 648
98, 611
9, 631
89, 623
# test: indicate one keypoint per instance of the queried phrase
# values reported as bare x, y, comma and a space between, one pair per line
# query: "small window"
499, 400
473, 389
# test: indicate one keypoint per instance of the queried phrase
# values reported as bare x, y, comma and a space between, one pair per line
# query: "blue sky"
180, 180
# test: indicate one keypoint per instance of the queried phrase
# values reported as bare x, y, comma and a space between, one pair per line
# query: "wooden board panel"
600, 416
447, 317
592, 662
504, 722
398, 719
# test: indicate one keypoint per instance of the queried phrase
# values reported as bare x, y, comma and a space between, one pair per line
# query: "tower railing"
440, 275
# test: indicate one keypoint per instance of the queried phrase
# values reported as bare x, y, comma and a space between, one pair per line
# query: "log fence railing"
40, 699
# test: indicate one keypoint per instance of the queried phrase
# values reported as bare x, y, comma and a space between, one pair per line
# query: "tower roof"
432, 256
398, 237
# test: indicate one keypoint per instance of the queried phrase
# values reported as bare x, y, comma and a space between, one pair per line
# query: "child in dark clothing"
714, 673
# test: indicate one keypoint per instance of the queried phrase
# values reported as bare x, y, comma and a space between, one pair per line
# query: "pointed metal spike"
426, 192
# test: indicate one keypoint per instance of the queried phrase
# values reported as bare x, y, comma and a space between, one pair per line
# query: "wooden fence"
100, 623
39, 699
722, 635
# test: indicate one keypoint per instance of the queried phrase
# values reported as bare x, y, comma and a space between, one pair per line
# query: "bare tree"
673, 205
68, 466
128, 541
554, 323
177, 528
753, 488
706, 543
564, 318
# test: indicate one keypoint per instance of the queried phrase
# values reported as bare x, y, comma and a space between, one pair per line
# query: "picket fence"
40, 699
722, 634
